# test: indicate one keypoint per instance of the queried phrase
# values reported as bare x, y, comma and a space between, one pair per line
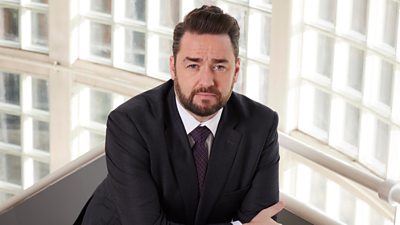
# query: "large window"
24, 24
24, 131
349, 79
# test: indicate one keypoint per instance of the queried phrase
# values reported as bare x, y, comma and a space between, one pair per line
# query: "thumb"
270, 211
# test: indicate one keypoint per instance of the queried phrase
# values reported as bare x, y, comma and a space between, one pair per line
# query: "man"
191, 151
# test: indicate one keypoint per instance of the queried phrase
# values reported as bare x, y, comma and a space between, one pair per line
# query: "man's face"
204, 72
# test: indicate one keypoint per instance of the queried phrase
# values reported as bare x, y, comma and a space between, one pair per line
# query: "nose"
206, 77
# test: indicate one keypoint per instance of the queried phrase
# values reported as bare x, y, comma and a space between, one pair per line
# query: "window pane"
351, 125
318, 188
39, 29
9, 88
40, 98
100, 106
135, 9
41, 135
95, 140
259, 41
356, 69
135, 47
385, 90
9, 24
240, 15
165, 51
40, 1
347, 209
10, 168
256, 82
325, 55
4, 197
381, 142
10, 129
169, 13
100, 40
322, 105
103, 6
327, 10
390, 31
40, 170
359, 20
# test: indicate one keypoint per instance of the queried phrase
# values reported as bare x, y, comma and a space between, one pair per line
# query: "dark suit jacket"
152, 177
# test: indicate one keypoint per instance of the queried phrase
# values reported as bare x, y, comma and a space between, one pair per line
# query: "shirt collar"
190, 123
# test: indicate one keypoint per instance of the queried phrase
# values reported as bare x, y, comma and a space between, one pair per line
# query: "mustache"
211, 89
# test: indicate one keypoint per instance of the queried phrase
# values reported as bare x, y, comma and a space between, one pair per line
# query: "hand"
264, 216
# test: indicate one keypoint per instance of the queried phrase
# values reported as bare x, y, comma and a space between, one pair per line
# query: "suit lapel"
223, 153
181, 158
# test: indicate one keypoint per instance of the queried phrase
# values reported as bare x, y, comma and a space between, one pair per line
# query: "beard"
207, 109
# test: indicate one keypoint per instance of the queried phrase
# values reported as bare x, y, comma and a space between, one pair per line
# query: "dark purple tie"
200, 153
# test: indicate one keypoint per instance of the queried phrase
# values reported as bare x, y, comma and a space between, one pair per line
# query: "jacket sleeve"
264, 190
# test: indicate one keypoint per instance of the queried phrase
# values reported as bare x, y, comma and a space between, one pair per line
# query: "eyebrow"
200, 60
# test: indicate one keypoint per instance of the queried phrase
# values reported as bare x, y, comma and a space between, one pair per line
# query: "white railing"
387, 190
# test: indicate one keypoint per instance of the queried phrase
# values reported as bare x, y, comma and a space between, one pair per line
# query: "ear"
237, 69
172, 67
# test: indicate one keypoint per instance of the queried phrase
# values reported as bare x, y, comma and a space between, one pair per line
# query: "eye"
192, 66
220, 68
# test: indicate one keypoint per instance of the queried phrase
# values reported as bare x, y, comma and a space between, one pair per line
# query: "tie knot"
200, 134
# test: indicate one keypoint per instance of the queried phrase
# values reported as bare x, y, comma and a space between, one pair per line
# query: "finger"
272, 210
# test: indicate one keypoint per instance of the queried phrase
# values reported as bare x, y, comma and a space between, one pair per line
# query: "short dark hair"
207, 20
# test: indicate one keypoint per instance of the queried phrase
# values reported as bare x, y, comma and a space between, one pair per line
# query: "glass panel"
164, 53
41, 135
325, 55
169, 13
4, 197
347, 209
9, 24
241, 16
135, 9
40, 170
100, 106
351, 125
9, 88
10, 168
262, 2
10, 129
40, 1
322, 105
318, 190
356, 69
102, 6
256, 82
381, 142
40, 98
39, 29
327, 10
260, 41
240, 85
135, 47
100, 40
359, 20
385, 90
389, 30
96, 139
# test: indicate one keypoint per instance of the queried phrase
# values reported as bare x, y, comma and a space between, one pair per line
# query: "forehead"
203, 45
